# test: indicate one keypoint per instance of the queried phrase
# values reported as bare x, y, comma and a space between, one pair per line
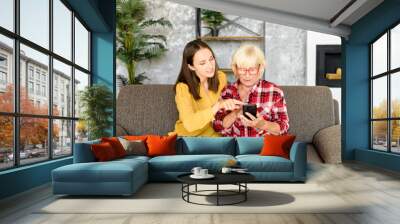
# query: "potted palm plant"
213, 19
96, 102
134, 44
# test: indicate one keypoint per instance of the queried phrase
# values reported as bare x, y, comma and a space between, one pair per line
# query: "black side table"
238, 179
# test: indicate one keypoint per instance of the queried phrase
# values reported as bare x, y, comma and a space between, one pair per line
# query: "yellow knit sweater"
196, 116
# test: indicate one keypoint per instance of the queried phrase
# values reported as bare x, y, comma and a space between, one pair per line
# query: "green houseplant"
96, 102
213, 19
134, 44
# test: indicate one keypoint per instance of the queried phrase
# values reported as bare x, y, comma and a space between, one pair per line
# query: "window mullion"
16, 70
371, 89
50, 81
389, 106
73, 82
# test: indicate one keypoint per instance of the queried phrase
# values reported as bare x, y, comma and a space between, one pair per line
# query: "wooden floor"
377, 188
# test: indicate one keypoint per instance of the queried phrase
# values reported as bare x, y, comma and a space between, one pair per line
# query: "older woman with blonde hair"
248, 64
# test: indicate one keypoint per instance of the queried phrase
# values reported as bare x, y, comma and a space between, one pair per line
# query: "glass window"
395, 138
6, 142
37, 89
379, 135
395, 47
81, 45
37, 74
34, 80
379, 97
61, 74
40, 62
33, 140
3, 78
7, 14
30, 87
62, 138
62, 29
35, 21
395, 95
81, 81
379, 56
30, 72
6, 73
43, 90
385, 128
3, 60
81, 131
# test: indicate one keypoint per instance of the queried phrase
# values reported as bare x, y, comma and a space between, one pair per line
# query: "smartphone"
250, 108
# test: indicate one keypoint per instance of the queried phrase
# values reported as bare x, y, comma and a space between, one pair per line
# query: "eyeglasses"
251, 70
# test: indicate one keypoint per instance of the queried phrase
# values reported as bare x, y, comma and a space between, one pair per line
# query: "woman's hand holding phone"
249, 120
231, 104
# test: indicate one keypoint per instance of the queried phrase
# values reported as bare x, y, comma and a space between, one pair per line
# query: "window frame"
388, 74
16, 114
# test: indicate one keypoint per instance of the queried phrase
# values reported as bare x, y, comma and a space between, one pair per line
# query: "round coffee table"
238, 179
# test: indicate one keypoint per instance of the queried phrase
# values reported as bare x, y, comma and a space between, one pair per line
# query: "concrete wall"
165, 69
285, 47
285, 54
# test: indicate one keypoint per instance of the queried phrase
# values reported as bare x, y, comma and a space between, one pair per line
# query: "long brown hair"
188, 76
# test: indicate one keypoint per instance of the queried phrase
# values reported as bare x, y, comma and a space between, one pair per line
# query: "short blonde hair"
248, 55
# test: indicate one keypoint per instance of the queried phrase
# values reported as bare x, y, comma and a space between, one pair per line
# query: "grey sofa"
151, 109
313, 114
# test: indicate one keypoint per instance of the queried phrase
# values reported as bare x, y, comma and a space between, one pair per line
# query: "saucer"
208, 176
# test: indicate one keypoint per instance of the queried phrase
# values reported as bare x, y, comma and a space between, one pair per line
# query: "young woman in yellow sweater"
198, 90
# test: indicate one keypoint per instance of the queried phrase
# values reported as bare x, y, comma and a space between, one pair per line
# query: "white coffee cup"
196, 170
203, 172
226, 170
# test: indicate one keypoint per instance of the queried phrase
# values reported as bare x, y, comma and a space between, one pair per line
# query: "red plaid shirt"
270, 103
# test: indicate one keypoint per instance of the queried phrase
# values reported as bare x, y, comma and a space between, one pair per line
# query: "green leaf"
133, 43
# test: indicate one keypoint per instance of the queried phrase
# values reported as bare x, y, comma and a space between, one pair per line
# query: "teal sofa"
125, 176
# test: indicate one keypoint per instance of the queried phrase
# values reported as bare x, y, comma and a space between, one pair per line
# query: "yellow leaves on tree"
380, 127
33, 130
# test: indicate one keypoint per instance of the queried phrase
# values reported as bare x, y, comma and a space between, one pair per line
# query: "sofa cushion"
116, 145
185, 163
111, 171
277, 145
257, 163
134, 147
135, 137
249, 145
103, 152
161, 145
206, 145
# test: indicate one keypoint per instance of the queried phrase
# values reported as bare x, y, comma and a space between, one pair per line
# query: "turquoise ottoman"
118, 177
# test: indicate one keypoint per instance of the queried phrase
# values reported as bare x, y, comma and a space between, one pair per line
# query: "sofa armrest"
298, 155
327, 141
83, 152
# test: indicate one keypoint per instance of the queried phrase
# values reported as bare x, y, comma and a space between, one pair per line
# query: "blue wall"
103, 64
24, 178
99, 16
355, 100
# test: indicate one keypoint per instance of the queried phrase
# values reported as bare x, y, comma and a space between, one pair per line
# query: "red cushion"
103, 151
161, 145
116, 145
277, 145
135, 137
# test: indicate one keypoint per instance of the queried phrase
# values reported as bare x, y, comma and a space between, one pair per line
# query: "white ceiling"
321, 9
315, 15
